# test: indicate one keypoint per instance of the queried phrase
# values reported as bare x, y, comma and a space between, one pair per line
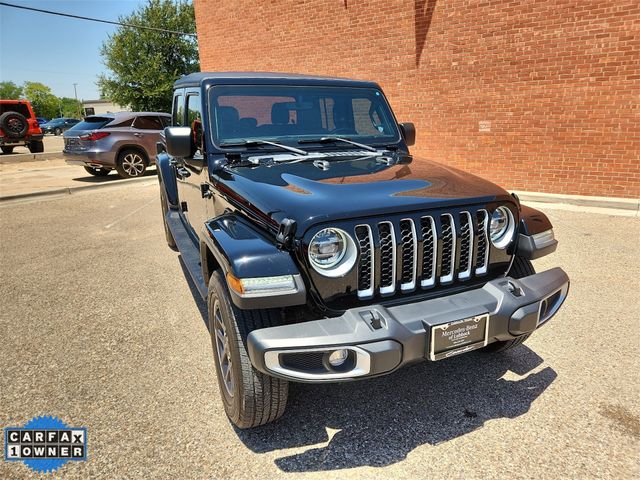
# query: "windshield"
287, 114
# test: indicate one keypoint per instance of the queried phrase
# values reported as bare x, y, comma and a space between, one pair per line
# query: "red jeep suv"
19, 127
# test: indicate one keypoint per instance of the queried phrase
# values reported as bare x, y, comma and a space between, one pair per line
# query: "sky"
58, 51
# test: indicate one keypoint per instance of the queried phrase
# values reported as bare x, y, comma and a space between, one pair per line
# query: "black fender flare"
534, 222
244, 252
167, 178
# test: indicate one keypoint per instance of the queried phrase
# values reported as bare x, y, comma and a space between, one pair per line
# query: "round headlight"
502, 227
332, 252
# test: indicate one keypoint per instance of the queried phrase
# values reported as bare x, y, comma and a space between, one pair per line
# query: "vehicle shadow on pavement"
380, 421
112, 177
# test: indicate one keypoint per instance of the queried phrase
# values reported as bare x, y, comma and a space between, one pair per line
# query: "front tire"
250, 397
521, 268
57, 132
7, 150
97, 172
131, 164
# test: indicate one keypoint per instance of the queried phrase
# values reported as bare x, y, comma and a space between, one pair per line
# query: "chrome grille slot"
448, 248
466, 245
429, 251
387, 258
366, 268
409, 254
482, 251
400, 254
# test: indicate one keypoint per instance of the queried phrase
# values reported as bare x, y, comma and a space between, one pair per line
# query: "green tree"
145, 63
70, 107
44, 103
10, 91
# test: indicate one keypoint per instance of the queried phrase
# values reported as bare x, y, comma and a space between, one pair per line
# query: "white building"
97, 107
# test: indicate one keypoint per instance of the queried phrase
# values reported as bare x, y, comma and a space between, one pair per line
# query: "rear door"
146, 130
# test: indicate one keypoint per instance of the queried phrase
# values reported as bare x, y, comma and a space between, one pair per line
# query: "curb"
70, 190
28, 157
629, 204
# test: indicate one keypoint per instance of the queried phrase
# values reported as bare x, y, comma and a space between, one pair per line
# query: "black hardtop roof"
266, 78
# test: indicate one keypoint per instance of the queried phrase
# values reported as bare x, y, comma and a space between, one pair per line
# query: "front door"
192, 172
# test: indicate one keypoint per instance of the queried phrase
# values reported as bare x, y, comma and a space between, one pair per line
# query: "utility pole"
75, 90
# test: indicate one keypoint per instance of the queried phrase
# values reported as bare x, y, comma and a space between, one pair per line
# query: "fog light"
338, 357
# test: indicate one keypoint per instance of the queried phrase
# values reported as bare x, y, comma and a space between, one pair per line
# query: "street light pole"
75, 90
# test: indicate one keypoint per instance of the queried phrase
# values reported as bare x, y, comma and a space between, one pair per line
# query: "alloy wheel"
133, 164
221, 341
15, 125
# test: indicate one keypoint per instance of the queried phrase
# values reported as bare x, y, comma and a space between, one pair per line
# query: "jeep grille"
421, 252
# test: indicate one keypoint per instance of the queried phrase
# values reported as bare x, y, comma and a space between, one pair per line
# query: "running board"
188, 250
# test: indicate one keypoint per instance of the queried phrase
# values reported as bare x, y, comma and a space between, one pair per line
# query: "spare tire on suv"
19, 127
14, 124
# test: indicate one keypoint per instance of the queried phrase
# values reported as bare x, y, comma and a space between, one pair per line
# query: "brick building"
537, 96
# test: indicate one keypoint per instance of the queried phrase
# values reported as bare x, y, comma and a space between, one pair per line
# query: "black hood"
344, 188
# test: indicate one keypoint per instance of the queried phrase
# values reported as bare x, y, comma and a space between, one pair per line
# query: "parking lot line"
130, 213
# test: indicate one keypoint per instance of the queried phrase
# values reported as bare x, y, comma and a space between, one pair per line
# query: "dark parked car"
123, 141
325, 251
19, 127
59, 125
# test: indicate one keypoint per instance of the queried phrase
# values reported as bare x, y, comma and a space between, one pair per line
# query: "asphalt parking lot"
100, 328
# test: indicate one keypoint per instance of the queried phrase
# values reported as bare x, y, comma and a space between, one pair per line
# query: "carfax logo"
45, 443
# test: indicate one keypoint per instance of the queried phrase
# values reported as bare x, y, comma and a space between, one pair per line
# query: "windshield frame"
292, 140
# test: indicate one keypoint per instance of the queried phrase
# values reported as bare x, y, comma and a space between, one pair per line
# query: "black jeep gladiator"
325, 251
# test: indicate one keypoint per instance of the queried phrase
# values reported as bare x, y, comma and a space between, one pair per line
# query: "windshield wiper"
257, 143
337, 139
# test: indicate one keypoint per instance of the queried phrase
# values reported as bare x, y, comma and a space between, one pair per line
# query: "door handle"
139, 135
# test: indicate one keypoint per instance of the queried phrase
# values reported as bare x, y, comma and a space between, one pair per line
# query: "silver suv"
124, 141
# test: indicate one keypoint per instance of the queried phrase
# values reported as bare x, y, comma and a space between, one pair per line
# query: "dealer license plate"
458, 337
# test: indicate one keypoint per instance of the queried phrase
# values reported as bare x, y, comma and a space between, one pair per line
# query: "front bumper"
380, 340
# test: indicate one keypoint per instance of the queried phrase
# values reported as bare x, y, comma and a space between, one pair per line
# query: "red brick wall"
556, 81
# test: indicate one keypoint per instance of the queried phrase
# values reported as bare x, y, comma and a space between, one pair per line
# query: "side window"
166, 121
147, 122
366, 119
194, 117
178, 111
120, 123
326, 113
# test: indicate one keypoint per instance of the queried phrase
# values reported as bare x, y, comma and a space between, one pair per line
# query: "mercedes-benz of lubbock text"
325, 251
125, 142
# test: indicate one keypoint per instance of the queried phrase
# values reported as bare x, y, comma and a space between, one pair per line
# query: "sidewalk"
52, 176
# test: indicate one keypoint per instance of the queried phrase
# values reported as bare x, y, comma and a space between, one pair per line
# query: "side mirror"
408, 132
179, 141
